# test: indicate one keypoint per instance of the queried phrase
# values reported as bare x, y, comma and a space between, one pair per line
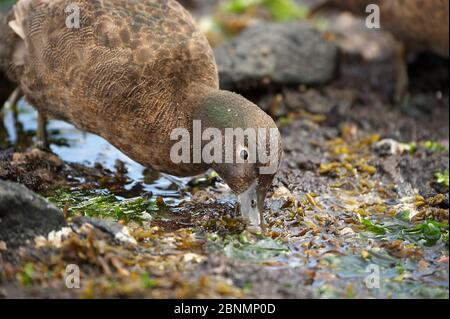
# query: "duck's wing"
125, 53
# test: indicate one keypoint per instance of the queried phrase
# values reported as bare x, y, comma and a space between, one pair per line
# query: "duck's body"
133, 72
422, 25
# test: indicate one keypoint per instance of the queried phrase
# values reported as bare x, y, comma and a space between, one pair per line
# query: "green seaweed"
147, 282
427, 233
372, 227
404, 216
442, 178
435, 146
411, 148
26, 276
281, 10
103, 204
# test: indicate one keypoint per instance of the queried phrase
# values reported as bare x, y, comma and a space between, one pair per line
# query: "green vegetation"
147, 282
280, 10
442, 178
373, 228
411, 148
431, 146
103, 204
435, 146
26, 276
427, 233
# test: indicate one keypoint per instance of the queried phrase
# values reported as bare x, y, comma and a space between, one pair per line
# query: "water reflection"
18, 128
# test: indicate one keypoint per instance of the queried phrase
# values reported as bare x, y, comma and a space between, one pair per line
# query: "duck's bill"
252, 206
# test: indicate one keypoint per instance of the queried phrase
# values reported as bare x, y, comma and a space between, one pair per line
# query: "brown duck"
422, 25
132, 73
419, 25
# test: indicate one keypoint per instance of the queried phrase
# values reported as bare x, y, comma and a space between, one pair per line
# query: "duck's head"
251, 148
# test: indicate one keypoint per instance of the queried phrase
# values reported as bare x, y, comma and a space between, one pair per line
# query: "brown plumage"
422, 25
132, 73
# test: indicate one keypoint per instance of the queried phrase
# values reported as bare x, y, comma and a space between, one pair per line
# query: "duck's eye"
253, 203
244, 155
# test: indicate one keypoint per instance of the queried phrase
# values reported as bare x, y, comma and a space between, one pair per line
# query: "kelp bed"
359, 208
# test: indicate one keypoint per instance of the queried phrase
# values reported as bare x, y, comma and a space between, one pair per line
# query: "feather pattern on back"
140, 64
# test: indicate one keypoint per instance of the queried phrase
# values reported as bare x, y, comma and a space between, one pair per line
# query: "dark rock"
283, 54
25, 215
